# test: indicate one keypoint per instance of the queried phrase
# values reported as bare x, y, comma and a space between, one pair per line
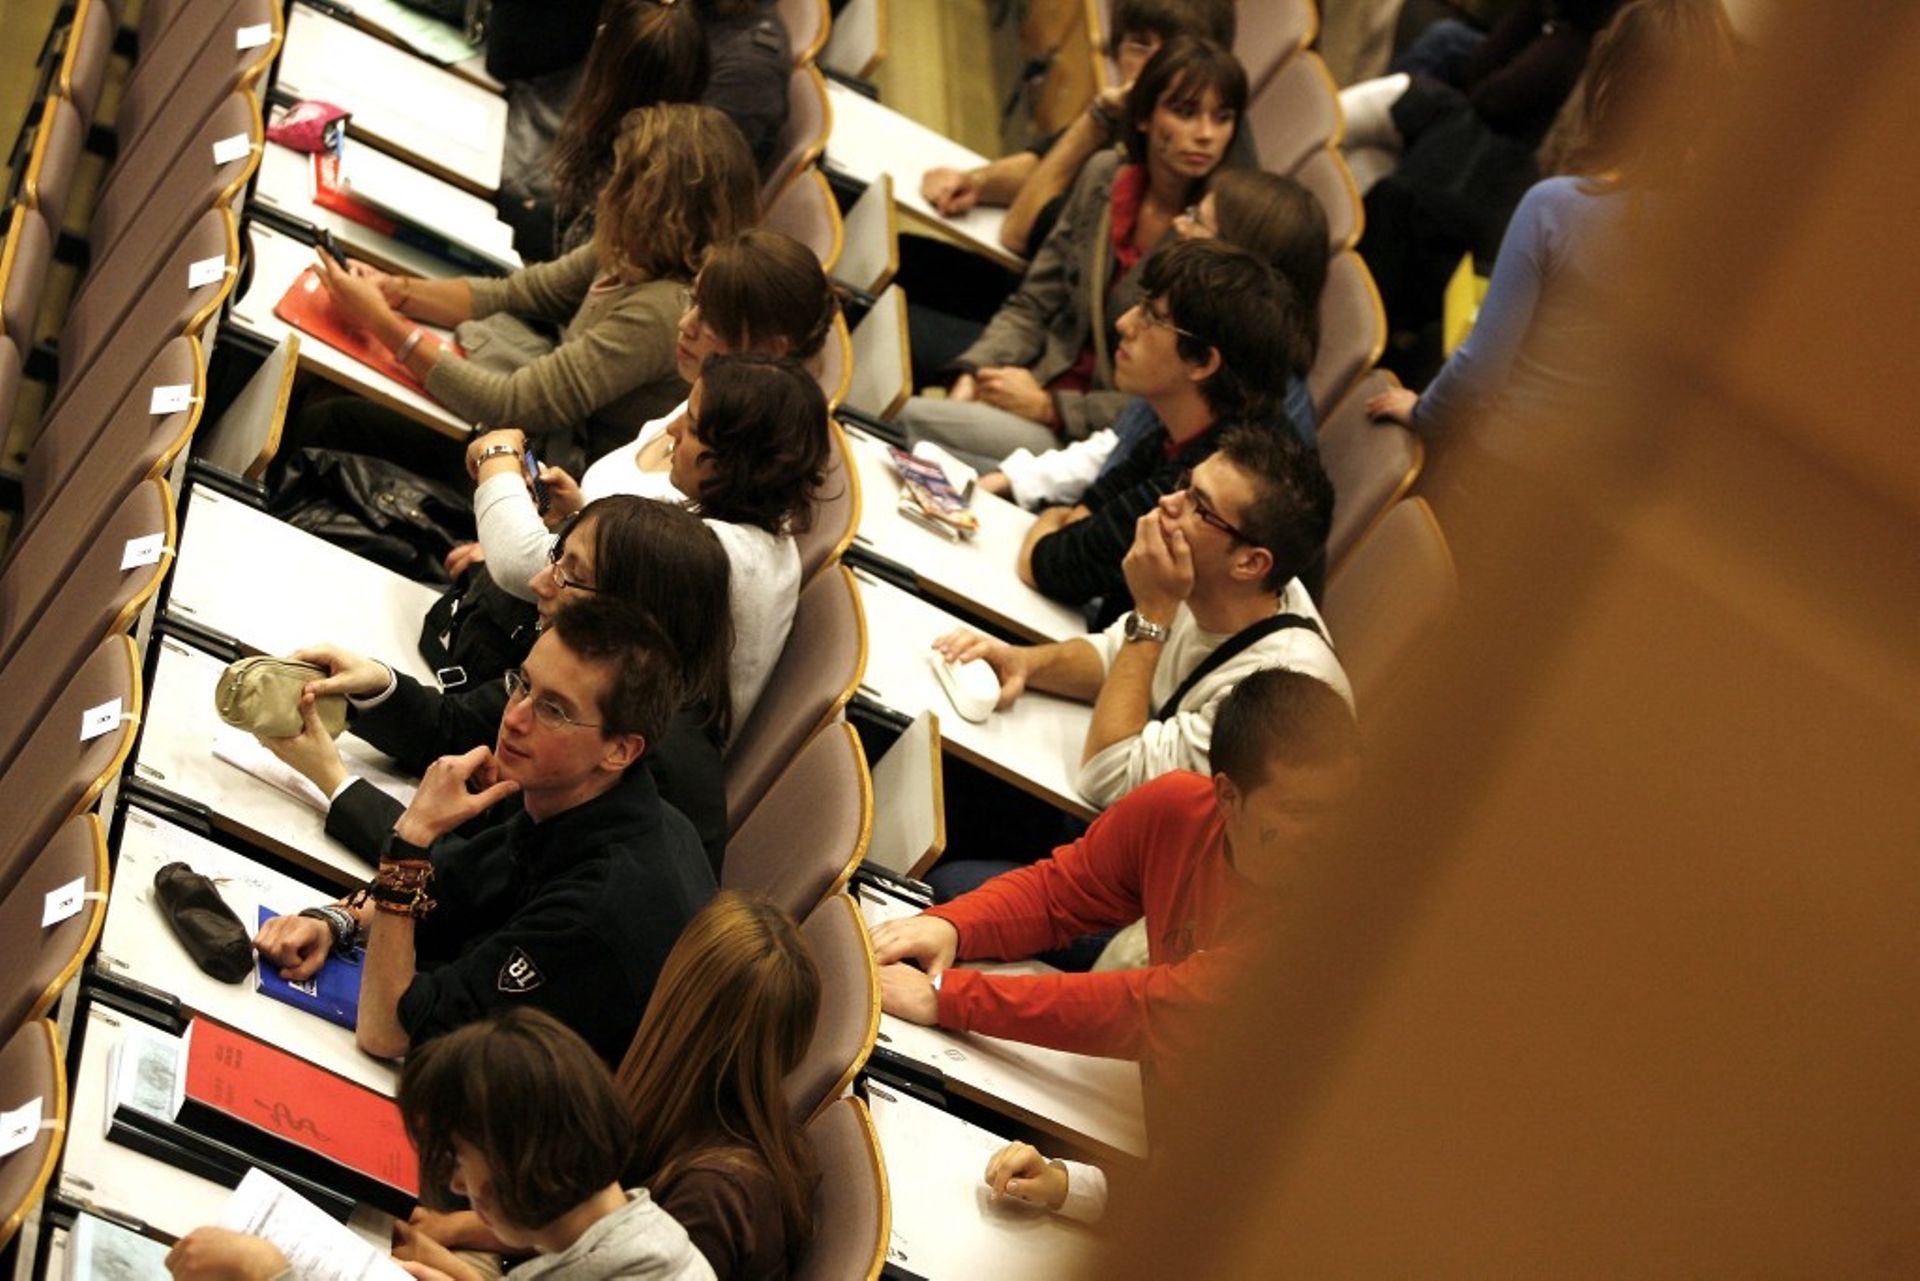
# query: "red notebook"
265, 1100
308, 307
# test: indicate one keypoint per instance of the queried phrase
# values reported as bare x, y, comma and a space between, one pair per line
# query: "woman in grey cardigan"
683, 180
1042, 371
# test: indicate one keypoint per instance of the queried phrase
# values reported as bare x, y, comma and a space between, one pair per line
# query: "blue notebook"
333, 993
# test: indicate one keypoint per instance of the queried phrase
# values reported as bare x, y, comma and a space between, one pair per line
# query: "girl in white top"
760, 292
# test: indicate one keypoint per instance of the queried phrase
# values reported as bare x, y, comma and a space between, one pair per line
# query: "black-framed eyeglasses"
555, 552
1204, 509
545, 710
1151, 313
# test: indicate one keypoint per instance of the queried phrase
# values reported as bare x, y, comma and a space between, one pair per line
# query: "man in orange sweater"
1206, 861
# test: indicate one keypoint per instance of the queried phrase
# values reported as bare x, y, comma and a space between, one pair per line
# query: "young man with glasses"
1214, 341
569, 897
1213, 571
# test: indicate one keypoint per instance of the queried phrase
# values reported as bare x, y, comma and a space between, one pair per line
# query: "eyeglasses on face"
560, 579
1152, 310
545, 710
1204, 509
1192, 214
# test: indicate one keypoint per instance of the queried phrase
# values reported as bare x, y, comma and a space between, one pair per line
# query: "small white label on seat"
205, 272
17, 1127
228, 150
252, 37
96, 721
64, 902
171, 400
144, 550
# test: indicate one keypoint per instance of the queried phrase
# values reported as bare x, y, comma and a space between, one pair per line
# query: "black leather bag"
213, 936
374, 508
476, 631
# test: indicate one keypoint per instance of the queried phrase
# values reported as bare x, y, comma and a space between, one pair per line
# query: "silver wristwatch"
1141, 629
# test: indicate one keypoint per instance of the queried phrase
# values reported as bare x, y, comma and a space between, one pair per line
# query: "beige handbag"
262, 696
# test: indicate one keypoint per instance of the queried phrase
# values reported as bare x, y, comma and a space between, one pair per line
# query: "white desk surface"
176, 753
434, 39
274, 588
1093, 1102
138, 944
285, 184
944, 1226
977, 574
1034, 745
434, 118
97, 1172
870, 139
278, 260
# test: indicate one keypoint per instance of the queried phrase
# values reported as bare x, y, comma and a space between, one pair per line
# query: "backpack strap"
1252, 634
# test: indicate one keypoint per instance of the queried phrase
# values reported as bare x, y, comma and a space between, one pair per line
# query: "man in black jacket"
570, 899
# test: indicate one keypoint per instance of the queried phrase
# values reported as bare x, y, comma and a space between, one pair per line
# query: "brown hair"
1281, 223
664, 559
645, 52
731, 1015
683, 179
1292, 508
1654, 82
1212, 19
533, 1098
765, 420
1180, 72
1279, 714
646, 686
764, 285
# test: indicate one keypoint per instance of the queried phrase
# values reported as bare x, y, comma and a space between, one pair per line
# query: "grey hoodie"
639, 1241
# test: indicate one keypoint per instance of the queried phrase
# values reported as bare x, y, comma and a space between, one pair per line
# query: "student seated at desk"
1208, 861
1042, 371
659, 558
1275, 219
731, 1016
762, 291
1030, 183
749, 449
568, 901
682, 180
1214, 576
516, 1116
1217, 340
564, 111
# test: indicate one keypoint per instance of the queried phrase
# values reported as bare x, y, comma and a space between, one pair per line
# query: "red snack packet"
310, 127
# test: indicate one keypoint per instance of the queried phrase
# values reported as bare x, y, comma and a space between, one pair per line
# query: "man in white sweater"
1213, 573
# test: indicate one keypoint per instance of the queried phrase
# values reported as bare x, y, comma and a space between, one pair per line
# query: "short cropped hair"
765, 420
1278, 714
1229, 301
1181, 71
764, 285
533, 1098
647, 686
1208, 19
1292, 508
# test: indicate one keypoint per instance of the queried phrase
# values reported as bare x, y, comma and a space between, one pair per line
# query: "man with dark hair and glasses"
1213, 571
1216, 340
570, 895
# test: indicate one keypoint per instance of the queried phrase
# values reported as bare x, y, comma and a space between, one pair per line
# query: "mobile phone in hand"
541, 499
332, 249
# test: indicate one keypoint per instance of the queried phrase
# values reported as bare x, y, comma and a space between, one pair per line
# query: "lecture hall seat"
1353, 331
1372, 465
36, 961
804, 837
817, 672
851, 1217
1387, 602
1294, 114
849, 1021
31, 1067
836, 510
56, 773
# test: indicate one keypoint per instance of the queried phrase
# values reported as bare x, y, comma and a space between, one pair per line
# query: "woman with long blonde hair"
683, 179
